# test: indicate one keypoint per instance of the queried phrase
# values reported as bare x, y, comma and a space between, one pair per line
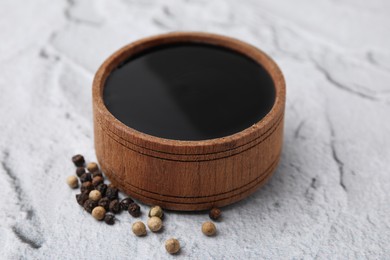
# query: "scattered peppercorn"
125, 203
109, 218
134, 210
112, 192
98, 213
95, 195
156, 211
208, 228
86, 186
154, 224
89, 205
115, 206
105, 203
139, 228
215, 213
96, 174
72, 181
102, 188
80, 171
82, 197
172, 245
78, 160
97, 181
92, 167
85, 177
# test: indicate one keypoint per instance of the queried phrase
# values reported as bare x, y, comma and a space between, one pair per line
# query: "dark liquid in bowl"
189, 92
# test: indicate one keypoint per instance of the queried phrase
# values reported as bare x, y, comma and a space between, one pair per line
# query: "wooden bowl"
188, 175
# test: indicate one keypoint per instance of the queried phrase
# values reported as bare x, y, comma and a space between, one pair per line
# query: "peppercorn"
125, 203
102, 188
97, 180
96, 174
112, 192
208, 228
215, 213
139, 228
92, 167
154, 224
72, 181
89, 205
78, 160
172, 245
115, 207
82, 197
85, 177
80, 171
86, 186
105, 203
95, 195
134, 210
98, 213
156, 211
109, 218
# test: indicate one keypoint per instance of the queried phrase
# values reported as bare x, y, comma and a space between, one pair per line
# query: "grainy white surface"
330, 197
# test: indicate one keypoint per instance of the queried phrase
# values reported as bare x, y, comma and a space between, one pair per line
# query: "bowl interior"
189, 90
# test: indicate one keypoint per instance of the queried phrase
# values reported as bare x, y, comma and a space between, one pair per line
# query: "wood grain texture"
188, 175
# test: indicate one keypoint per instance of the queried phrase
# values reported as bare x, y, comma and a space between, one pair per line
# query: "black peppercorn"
105, 203
215, 213
96, 174
102, 188
89, 205
78, 160
115, 207
82, 197
97, 180
134, 210
85, 177
112, 192
80, 171
86, 186
109, 218
125, 203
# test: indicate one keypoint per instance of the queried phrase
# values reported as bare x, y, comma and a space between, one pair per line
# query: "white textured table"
330, 197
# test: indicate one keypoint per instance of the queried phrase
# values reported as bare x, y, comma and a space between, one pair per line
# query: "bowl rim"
149, 142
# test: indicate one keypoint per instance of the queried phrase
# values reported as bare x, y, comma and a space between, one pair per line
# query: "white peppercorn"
208, 228
98, 213
92, 167
172, 245
95, 195
154, 224
72, 181
139, 228
156, 211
